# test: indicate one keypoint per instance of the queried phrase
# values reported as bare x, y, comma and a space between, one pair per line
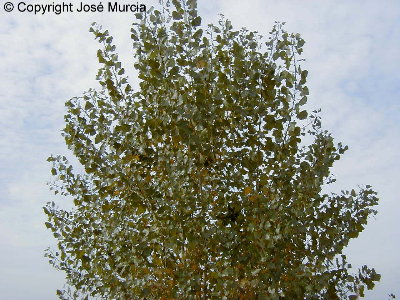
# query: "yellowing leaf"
247, 190
201, 64
141, 209
253, 198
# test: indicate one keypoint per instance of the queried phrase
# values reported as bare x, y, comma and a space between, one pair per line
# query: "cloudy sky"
353, 58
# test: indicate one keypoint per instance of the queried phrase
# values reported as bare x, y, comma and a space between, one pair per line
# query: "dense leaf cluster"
200, 183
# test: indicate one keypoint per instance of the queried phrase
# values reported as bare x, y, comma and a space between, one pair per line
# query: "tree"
199, 183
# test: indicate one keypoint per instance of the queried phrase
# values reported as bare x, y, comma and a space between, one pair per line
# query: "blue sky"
353, 57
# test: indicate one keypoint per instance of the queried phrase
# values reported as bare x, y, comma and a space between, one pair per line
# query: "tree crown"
199, 183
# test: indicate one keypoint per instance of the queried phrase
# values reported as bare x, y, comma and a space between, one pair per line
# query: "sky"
352, 53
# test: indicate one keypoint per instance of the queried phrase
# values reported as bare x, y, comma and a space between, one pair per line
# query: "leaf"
48, 225
304, 91
303, 100
100, 57
145, 292
198, 34
176, 15
376, 277
353, 234
247, 190
196, 21
303, 77
140, 210
98, 139
302, 115
88, 105
201, 64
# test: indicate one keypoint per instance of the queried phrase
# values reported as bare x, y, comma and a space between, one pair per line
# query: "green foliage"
200, 184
